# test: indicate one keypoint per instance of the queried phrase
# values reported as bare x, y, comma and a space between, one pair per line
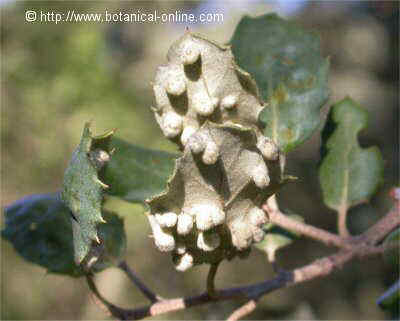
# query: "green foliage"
83, 190
135, 173
277, 238
348, 173
287, 65
39, 227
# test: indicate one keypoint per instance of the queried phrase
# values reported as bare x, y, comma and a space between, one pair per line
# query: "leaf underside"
226, 185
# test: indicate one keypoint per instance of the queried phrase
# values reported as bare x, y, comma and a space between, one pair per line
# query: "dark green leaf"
83, 189
277, 238
391, 298
40, 230
287, 65
39, 227
348, 173
135, 173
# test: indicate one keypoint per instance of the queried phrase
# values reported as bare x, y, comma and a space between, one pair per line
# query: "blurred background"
55, 77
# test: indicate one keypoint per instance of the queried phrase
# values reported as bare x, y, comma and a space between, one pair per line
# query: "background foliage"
56, 77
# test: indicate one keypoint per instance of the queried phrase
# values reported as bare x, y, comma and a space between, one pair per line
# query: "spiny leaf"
83, 189
135, 173
277, 238
210, 210
287, 65
39, 227
112, 248
348, 173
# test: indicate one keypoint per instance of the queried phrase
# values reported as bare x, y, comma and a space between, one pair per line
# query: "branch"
362, 246
135, 279
388, 223
278, 218
243, 311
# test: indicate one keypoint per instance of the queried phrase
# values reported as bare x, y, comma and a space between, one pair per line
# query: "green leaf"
39, 227
348, 173
135, 173
277, 238
83, 189
391, 298
292, 76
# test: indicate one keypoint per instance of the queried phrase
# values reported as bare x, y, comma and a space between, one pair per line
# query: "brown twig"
136, 280
387, 224
278, 218
243, 311
356, 247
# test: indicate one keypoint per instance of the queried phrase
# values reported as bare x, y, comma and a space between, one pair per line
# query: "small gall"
185, 224
196, 144
241, 234
176, 83
204, 215
168, 219
184, 263
190, 52
211, 153
203, 104
161, 97
230, 101
217, 216
172, 124
188, 131
259, 174
267, 148
164, 241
